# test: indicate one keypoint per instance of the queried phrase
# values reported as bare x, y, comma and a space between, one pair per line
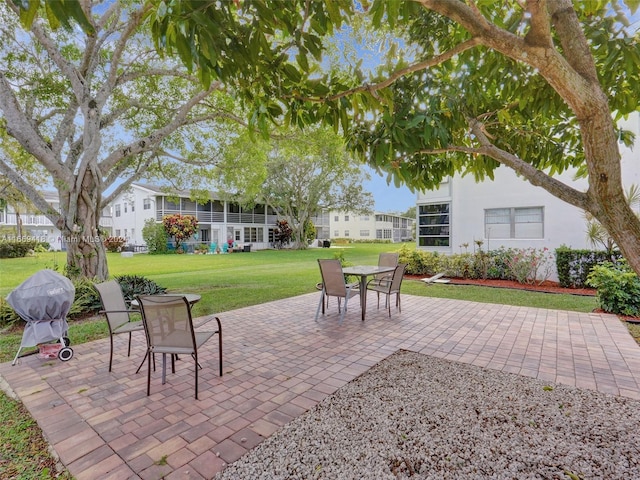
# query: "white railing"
29, 220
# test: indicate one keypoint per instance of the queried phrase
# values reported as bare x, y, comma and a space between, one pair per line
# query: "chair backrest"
396, 281
388, 260
167, 321
113, 303
332, 277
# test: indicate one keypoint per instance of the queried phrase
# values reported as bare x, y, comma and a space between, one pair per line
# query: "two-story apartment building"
370, 226
218, 220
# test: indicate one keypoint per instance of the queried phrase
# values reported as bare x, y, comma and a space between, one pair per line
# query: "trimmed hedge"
574, 266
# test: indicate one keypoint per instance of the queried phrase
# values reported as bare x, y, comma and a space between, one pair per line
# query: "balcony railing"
30, 220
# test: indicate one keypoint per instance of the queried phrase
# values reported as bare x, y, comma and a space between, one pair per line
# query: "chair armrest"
381, 282
205, 321
119, 311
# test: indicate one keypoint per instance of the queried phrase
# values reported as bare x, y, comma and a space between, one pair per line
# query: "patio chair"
385, 260
118, 315
169, 330
334, 285
388, 287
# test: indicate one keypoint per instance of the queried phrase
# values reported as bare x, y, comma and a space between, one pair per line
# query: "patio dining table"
364, 271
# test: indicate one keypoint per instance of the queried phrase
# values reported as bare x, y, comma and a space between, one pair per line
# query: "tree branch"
416, 67
32, 194
539, 34
533, 175
20, 128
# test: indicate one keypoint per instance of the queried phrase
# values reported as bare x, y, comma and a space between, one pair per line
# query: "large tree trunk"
81, 209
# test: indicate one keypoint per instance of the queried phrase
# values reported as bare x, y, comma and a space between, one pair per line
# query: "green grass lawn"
225, 282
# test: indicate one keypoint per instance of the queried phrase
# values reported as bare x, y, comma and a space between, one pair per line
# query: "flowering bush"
530, 265
114, 244
523, 265
180, 227
282, 233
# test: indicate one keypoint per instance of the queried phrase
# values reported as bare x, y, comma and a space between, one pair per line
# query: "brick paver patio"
279, 362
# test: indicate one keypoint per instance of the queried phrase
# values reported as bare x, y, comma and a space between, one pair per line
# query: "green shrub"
42, 247
155, 237
422, 262
133, 285
86, 300
498, 268
16, 249
8, 315
618, 288
460, 265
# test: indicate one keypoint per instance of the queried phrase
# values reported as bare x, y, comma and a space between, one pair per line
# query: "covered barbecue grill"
43, 301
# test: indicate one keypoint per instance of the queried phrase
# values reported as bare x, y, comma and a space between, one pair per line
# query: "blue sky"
388, 198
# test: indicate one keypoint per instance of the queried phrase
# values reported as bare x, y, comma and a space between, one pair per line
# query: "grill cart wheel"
65, 354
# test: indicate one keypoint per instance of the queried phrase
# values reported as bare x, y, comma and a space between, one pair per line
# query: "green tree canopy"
93, 110
464, 86
299, 173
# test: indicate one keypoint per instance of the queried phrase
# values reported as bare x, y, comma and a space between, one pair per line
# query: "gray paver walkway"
279, 363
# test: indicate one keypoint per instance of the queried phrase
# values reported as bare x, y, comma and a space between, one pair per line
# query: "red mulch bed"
546, 286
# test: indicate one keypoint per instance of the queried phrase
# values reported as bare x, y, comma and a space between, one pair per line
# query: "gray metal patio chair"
385, 260
334, 285
119, 317
388, 287
169, 330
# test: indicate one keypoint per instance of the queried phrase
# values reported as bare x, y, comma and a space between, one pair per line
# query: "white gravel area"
420, 417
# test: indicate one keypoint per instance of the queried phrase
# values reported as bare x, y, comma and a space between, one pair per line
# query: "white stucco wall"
563, 223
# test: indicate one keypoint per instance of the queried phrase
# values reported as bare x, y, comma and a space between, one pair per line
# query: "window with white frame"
336, 218
117, 210
253, 234
117, 232
346, 233
523, 222
364, 233
133, 207
434, 225
125, 207
146, 204
336, 233
346, 218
